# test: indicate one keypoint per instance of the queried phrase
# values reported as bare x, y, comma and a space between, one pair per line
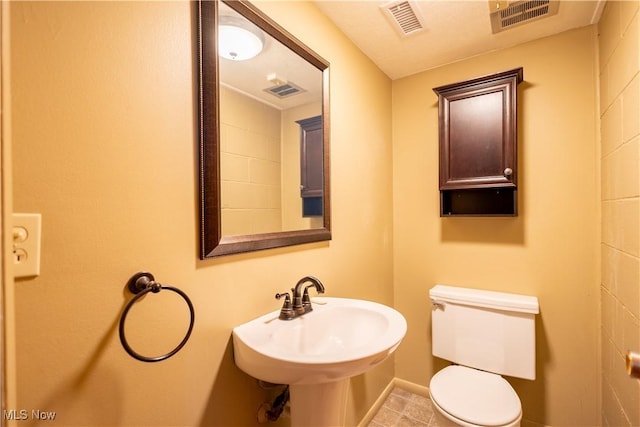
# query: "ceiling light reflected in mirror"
238, 39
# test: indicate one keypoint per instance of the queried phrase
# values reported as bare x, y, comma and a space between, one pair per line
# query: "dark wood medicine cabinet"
478, 145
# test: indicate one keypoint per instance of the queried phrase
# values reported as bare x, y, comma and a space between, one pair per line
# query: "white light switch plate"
26, 244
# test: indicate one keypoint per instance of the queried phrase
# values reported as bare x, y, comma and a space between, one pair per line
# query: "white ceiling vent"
521, 12
284, 90
405, 16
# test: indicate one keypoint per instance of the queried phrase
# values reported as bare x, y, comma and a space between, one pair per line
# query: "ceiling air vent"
284, 90
404, 16
521, 12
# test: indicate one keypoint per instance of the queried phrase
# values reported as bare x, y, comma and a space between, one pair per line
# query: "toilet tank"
487, 330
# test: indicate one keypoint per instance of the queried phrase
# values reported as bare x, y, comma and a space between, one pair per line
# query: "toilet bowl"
468, 397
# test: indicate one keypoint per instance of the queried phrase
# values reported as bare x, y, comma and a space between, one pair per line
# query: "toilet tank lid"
483, 298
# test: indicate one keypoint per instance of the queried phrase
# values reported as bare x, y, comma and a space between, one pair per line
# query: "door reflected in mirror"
264, 134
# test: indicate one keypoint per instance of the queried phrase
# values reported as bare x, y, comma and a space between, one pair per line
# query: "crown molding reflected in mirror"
215, 210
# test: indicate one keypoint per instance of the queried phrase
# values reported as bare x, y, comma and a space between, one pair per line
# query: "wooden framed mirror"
264, 135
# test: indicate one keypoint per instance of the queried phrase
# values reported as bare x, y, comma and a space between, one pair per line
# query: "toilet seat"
475, 397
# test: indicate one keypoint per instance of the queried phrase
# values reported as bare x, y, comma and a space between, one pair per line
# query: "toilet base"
445, 420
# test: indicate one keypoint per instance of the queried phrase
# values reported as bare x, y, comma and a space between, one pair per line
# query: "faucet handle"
286, 313
287, 298
283, 294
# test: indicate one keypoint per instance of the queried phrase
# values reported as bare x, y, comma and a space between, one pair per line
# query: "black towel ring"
140, 284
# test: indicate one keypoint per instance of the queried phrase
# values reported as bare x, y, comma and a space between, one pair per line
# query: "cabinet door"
311, 157
478, 132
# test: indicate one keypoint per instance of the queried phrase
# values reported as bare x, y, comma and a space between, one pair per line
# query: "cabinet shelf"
479, 202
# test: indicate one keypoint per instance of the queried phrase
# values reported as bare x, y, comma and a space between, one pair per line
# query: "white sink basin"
339, 339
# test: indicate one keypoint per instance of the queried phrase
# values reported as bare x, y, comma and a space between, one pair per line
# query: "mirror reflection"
269, 95
264, 143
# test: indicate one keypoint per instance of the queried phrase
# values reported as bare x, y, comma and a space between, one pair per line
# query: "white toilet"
485, 334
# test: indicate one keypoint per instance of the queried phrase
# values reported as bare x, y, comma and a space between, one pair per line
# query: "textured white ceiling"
455, 29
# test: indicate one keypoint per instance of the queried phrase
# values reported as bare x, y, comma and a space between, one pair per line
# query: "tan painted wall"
8, 357
104, 140
550, 250
619, 44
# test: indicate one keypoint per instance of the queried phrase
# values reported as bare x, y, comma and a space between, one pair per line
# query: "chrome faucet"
301, 300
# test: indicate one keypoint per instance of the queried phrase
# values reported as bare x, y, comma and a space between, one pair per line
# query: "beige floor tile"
404, 409
386, 417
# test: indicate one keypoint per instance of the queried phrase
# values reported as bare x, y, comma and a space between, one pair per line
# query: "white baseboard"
412, 387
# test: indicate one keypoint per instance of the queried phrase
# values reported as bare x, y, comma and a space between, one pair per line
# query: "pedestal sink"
318, 352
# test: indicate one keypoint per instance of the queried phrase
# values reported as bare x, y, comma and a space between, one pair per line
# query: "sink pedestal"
316, 405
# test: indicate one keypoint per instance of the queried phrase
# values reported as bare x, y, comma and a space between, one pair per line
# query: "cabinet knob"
633, 364
508, 172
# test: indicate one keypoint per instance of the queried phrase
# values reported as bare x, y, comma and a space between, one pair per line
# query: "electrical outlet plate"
26, 244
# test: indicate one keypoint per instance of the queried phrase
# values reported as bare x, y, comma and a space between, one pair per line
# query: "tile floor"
404, 409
